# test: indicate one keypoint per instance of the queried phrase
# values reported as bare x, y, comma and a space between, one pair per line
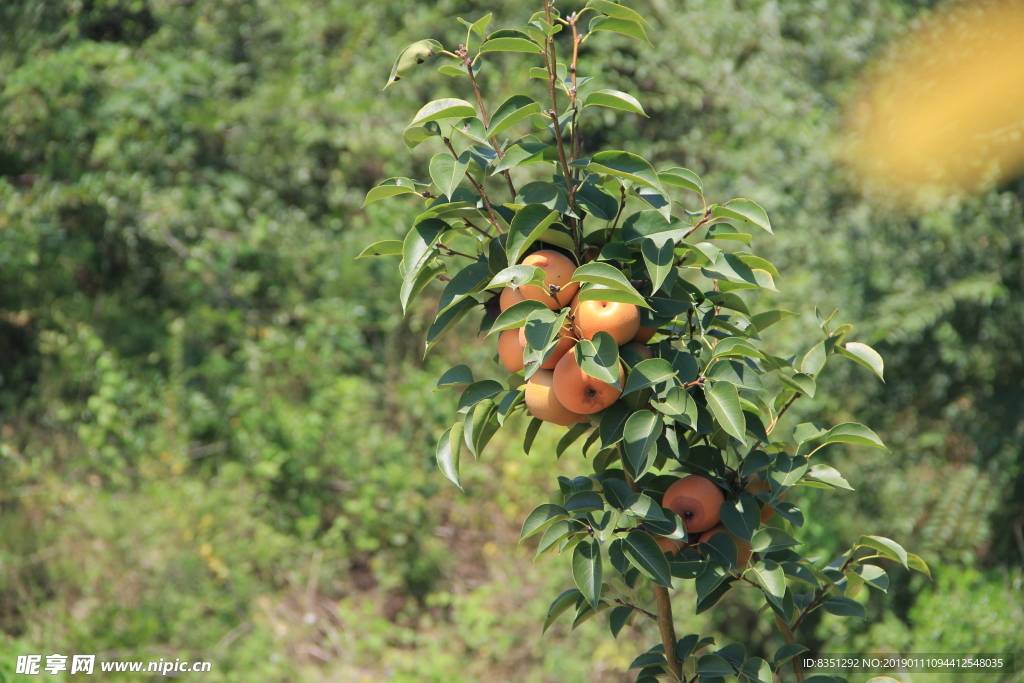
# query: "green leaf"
658, 260
644, 553
714, 665
595, 201
512, 111
414, 135
546, 194
515, 315
770, 577
626, 165
732, 268
756, 670
741, 515
852, 432
478, 391
571, 436
640, 435
522, 153
724, 402
735, 346
448, 447
799, 382
560, 604
447, 172
526, 227
734, 372
605, 275
648, 659
531, 434
410, 288
446, 321
618, 618
679, 406
682, 177
382, 248
447, 108
787, 652
480, 25
844, 607
510, 44
418, 247
648, 373
583, 501
616, 11
865, 355
479, 425
470, 280
769, 539
744, 210
517, 276
599, 358
644, 507
390, 188
632, 29
613, 421
592, 292
917, 564
828, 475
814, 360
411, 57
726, 231
874, 576
614, 99
541, 517
886, 547
587, 571
460, 374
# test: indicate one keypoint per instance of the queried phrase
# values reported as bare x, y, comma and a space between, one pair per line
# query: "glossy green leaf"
531, 434
658, 260
390, 188
844, 607
886, 547
546, 194
446, 321
520, 154
814, 360
540, 518
447, 108
419, 245
735, 372
614, 99
770, 577
382, 248
865, 355
515, 315
448, 447
517, 276
602, 293
599, 358
410, 288
799, 382
526, 227
605, 275
828, 475
682, 177
643, 552
732, 268
714, 665
626, 165
756, 670
724, 402
917, 564
510, 112
678, 405
460, 374
560, 604
617, 11
626, 27
852, 432
468, 281
640, 436
618, 618
648, 373
769, 538
587, 570
744, 210
509, 44
741, 515
787, 652
447, 172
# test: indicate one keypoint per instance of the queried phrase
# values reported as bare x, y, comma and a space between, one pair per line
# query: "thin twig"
551, 57
452, 252
482, 232
479, 189
622, 205
704, 219
638, 609
464, 55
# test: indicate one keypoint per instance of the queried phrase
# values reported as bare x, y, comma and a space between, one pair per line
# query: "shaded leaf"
643, 552
724, 402
587, 571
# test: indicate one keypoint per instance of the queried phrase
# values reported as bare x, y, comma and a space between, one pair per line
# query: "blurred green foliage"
217, 430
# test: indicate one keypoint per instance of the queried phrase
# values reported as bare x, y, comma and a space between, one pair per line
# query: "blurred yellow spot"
490, 549
206, 550
946, 106
205, 521
177, 468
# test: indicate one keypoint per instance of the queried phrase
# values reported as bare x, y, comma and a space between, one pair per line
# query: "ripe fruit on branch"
510, 350
619, 320
696, 500
756, 486
509, 296
565, 343
742, 545
580, 392
643, 335
558, 271
542, 403
668, 545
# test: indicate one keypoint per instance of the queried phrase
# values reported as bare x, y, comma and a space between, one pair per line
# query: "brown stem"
704, 219
574, 141
482, 232
798, 669
479, 188
622, 205
776, 420
463, 53
551, 56
452, 252
638, 609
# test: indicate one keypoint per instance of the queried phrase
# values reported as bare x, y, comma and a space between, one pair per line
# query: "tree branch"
479, 188
638, 609
463, 53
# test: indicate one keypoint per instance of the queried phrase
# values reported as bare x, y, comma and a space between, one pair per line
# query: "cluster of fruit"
560, 392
